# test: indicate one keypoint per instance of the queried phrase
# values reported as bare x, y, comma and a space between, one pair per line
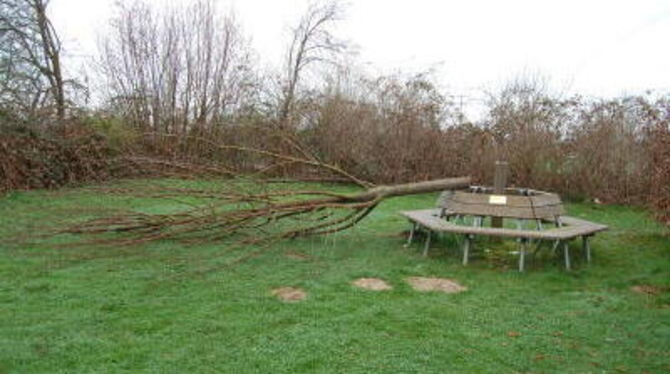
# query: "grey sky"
593, 47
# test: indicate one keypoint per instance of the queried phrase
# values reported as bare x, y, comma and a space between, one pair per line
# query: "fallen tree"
252, 217
245, 207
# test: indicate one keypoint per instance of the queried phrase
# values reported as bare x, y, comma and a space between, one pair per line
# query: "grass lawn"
170, 308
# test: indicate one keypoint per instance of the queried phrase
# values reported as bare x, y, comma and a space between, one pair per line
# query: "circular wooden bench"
544, 209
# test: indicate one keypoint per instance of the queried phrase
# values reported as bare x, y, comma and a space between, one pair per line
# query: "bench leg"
519, 226
566, 255
554, 248
411, 234
586, 246
539, 227
522, 255
558, 225
427, 245
466, 249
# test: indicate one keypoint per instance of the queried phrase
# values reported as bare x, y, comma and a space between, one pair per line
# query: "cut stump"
647, 289
424, 284
289, 294
299, 256
373, 284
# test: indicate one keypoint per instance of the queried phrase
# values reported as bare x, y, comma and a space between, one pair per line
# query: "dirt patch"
435, 284
293, 255
289, 294
647, 289
374, 284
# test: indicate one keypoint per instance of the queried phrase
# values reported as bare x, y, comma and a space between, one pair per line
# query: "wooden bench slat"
430, 218
507, 211
538, 205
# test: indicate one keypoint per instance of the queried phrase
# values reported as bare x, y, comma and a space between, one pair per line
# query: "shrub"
49, 159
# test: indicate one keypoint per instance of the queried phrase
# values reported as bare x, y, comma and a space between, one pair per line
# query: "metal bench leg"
466, 249
539, 227
522, 255
411, 234
555, 246
558, 225
425, 248
566, 254
587, 248
519, 226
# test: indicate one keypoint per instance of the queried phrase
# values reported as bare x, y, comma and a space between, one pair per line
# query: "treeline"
183, 91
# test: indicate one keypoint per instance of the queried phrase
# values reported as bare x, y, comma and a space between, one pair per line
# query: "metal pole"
522, 255
466, 249
411, 234
427, 246
566, 254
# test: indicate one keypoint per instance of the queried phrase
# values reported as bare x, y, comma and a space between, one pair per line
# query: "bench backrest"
523, 205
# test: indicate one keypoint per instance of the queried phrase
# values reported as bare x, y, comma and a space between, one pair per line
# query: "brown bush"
388, 133
48, 159
611, 158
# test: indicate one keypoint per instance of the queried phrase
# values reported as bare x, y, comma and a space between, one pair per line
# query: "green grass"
171, 308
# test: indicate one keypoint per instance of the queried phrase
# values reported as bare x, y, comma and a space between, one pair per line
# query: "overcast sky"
592, 47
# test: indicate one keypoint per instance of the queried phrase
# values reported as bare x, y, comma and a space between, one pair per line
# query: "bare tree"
312, 41
30, 57
178, 69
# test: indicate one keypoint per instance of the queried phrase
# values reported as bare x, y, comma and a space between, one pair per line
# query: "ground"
168, 307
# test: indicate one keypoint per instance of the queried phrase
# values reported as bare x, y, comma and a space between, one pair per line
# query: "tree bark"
383, 192
51, 49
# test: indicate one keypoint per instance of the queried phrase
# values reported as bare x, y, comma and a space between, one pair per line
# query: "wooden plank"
543, 205
572, 228
512, 200
568, 220
525, 212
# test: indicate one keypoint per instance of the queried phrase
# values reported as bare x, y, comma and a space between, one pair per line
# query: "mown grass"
170, 308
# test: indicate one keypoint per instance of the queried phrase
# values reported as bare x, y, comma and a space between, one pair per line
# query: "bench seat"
573, 227
436, 220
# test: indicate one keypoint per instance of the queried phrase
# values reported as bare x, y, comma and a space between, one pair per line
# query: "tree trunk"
383, 192
51, 49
